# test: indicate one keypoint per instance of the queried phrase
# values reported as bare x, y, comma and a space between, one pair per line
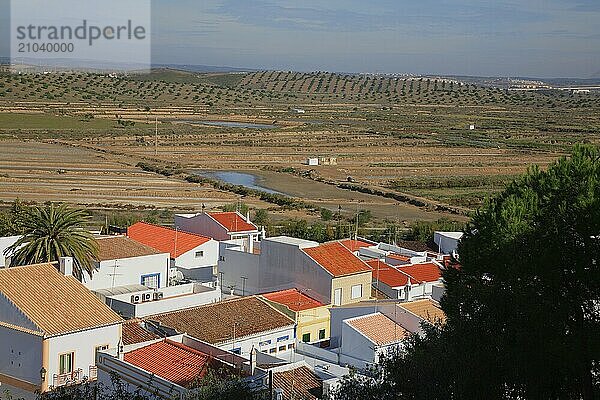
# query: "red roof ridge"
173, 229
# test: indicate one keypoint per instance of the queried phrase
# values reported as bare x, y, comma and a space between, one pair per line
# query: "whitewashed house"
123, 261
51, 327
5, 243
195, 256
407, 282
221, 226
237, 325
447, 242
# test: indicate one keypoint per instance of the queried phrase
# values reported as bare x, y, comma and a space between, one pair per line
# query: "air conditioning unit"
136, 299
158, 295
146, 296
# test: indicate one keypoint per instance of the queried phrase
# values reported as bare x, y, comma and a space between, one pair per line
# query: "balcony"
70, 378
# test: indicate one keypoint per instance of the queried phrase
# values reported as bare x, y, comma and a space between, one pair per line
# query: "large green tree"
523, 309
53, 231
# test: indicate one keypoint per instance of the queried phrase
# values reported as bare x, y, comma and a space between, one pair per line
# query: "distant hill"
201, 68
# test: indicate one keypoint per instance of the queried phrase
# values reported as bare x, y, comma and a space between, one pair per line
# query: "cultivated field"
79, 138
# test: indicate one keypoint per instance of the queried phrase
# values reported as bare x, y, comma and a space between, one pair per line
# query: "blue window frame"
283, 338
237, 350
151, 280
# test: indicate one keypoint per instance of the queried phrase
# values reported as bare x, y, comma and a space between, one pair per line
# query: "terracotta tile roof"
165, 239
298, 383
387, 274
117, 247
233, 222
170, 360
427, 309
293, 299
336, 259
427, 272
380, 329
133, 332
55, 303
213, 323
399, 257
354, 245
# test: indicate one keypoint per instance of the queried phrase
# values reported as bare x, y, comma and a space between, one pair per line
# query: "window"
290, 346
237, 350
65, 363
282, 348
306, 337
265, 343
199, 254
337, 297
321, 334
273, 350
221, 258
356, 291
283, 338
152, 281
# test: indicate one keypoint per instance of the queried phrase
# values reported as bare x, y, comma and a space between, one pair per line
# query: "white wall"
254, 341
355, 346
201, 224
209, 259
20, 355
447, 241
5, 243
234, 264
83, 344
128, 271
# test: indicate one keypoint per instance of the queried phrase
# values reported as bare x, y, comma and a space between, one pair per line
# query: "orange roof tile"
55, 303
214, 323
118, 247
298, 383
170, 360
165, 239
379, 329
427, 309
233, 222
387, 274
293, 299
399, 257
427, 272
133, 332
336, 259
354, 245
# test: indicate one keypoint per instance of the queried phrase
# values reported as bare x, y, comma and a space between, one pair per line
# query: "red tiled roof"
388, 274
399, 257
380, 329
118, 247
427, 272
165, 239
233, 222
170, 360
336, 259
213, 323
354, 245
299, 383
293, 299
133, 332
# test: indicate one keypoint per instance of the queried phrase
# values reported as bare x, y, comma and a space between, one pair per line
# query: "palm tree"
54, 231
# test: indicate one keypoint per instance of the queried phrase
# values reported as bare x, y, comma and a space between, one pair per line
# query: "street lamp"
43, 374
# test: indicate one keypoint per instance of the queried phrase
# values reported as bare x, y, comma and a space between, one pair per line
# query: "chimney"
120, 350
250, 244
248, 216
253, 354
66, 265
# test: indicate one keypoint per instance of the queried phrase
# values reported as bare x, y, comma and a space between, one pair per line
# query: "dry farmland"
79, 138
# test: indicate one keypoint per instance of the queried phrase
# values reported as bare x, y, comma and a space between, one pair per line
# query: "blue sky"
543, 38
